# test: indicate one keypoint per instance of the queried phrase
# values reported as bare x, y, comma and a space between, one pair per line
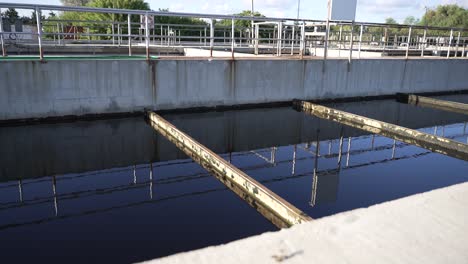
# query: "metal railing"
142, 32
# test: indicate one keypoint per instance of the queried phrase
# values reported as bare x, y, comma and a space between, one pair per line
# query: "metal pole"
58, 31
292, 39
450, 43
298, 7
458, 43
302, 39
408, 43
211, 37
327, 33
360, 40
233, 40
257, 33
339, 41
118, 37
424, 42
280, 36
1, 35
205, 36
351, 43
113, 32
147, 36
39, 32
129, 33
252, 22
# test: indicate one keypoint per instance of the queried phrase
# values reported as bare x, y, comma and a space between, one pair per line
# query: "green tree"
241, 23
446, 16
75, 2
390, 20
411, 20
11, 14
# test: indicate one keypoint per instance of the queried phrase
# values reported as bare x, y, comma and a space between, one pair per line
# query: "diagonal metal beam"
433, 143
280, 212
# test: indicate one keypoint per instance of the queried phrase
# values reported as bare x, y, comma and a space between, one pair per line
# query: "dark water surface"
116, 191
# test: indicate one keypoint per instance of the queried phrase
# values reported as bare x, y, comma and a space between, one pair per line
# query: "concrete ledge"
425, 228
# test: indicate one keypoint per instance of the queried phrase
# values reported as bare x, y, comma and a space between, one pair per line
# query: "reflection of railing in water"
149, 183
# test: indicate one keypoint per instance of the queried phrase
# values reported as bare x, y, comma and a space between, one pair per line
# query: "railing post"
458, 43
351, 44
450, 43
424, 42
303, 39
280, 37
113, 33
408, 42
39, 32
233, 40
293, 39
1, 35
147, 36
129, 33
360, 40
211, 37
256, 38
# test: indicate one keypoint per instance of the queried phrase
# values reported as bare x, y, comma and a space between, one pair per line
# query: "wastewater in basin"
115, 190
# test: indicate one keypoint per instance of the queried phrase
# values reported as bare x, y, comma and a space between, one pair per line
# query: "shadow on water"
116, 191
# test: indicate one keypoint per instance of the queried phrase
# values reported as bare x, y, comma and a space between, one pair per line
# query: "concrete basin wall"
31, 89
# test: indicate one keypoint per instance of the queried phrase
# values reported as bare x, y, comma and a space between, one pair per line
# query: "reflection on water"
119, 192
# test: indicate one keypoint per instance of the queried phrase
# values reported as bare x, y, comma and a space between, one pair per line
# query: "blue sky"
367, 10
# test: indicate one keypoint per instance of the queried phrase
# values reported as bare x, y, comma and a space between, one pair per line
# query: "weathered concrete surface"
425, 228
31, 89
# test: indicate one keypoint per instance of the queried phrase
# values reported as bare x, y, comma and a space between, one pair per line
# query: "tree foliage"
446, 16
241, 23
75, 2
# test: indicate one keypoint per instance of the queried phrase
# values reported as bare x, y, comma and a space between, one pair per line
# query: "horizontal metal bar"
434, 143
202, 15
433, 103
274, 208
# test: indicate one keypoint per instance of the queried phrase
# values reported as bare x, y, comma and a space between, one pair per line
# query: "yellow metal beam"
280, 212
434, 143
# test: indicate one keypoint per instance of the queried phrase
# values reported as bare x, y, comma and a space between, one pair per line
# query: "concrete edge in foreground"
425, 228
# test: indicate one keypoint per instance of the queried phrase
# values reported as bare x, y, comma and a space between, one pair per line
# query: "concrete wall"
31, 89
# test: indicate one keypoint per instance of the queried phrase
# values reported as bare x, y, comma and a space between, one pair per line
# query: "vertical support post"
450, 43
58, 34
293, 39
233, 40
205, 37
351, 42
1, 36
129, 29
424, 42
458, 43
134, 175
340, 43
408, 42
39, 32
118, 35
360, 40
327, 34
303, 39
147, 36
280, 37
113, 33
393, 149
211, 37
54, 189
257, 33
